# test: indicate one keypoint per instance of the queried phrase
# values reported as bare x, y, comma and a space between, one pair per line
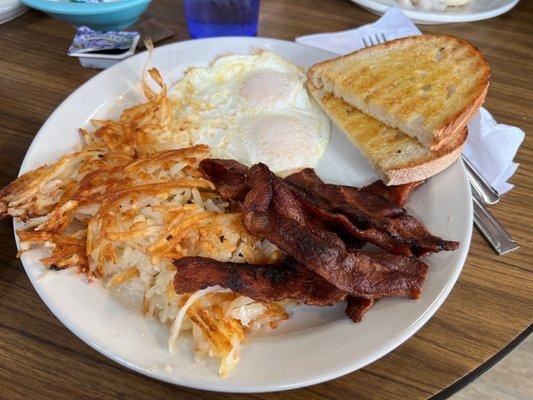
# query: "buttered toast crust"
427, 86
397, 158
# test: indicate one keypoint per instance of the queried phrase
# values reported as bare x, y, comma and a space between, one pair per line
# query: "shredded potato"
130, 201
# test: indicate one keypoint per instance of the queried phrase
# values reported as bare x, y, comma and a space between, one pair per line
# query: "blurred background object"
209, 18
103, 16
10, 9
430, 12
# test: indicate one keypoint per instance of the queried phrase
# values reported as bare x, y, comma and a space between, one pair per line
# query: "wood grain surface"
489, 306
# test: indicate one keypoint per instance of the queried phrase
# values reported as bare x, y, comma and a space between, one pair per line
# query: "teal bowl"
109, 16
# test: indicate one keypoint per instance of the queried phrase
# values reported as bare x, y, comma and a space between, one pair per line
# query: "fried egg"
252, 108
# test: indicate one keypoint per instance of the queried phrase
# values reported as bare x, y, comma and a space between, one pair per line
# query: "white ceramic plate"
316, 344
477, 10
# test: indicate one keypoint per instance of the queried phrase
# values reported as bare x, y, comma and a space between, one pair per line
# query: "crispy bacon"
365, 208
356, 307
359, 273
339, 221
396, 194
288, 280
300, 214
229, 176
363, 205
372, 214
231, 179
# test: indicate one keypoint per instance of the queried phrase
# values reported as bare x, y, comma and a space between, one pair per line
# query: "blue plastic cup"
209, 18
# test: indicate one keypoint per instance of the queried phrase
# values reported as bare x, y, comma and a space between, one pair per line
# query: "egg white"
252, 108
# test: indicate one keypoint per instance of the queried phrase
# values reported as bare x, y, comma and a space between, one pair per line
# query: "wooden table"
490, 305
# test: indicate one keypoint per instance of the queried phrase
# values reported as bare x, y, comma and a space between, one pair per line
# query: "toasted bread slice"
427, 86
396, 157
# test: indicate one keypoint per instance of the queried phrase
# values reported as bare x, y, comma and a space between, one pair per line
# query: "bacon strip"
288, 280
370, 234
231, 179
229, 176
359, 273
356, 307
316, 213
372, 214
365, 208
397, 194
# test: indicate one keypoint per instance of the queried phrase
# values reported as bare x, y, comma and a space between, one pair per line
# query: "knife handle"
492, 230
485, 191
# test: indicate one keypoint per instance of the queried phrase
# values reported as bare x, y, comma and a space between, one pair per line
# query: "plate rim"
253, 388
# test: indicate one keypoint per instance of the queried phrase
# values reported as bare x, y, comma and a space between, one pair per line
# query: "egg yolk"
282, 142
264, 88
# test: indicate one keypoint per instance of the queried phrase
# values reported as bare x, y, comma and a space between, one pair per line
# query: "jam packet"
110, 42
97, 49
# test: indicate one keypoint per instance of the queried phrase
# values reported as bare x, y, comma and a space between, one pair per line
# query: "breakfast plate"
316, 344
476, 10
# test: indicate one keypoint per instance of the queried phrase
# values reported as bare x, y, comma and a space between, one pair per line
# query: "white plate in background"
11, 9
316, 344
477, 10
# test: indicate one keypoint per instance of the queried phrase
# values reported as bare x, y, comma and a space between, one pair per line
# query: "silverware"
482, 192
372, 40
487, 194
492, 230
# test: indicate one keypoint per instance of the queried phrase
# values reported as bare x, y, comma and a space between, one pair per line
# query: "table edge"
464, 381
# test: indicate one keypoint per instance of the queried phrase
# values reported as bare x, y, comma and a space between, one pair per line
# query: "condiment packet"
102, 49
110, 42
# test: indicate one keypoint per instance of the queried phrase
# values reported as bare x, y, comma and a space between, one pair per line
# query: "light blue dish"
109, 16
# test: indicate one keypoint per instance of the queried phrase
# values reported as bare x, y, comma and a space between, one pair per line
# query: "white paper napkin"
491, 147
